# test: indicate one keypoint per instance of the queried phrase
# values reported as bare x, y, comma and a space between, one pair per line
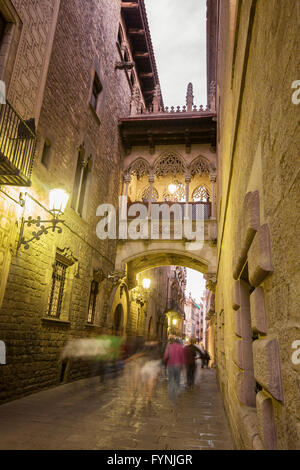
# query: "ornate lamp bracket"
44, 230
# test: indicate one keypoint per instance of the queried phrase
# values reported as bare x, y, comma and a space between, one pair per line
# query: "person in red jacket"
174, 361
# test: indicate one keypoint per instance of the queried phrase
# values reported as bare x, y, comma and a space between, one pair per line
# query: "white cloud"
178, 31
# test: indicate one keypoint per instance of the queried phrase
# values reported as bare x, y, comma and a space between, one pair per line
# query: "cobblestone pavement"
86, 415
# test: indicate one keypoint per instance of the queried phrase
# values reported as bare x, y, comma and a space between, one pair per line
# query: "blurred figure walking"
174, 361
190, 353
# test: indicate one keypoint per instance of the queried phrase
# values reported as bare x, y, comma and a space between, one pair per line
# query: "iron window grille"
57, 289
92, 301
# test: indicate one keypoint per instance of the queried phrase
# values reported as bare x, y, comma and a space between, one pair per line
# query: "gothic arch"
201, 193
139, 167
169, 163
145, 193
200, 165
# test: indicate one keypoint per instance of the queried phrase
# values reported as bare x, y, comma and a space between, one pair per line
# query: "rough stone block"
247, 227
258, 311
243, 356
259, 257
238, 325
236, 303
250, 221
246, 388
266, 424
267, 369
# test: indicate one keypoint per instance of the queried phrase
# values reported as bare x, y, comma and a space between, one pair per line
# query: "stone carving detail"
189, 98
211, 282
258, 311
200, 166
201, 193
212, 96
146, 194
156, 99
170, 164
32, 52
267, 369
139, 167
178, 196
66, 256
259, 257
135, 102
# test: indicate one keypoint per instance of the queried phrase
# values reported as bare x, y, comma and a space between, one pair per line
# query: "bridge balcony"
169, 225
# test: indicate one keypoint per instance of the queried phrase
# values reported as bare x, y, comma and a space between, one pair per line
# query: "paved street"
86, 415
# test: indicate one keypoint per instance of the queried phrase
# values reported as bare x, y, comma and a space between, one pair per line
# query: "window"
46, 153
81, 181
97, 88
57, 289
92, 301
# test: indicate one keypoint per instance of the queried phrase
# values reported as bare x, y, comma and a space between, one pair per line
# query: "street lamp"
146, 283
58, 200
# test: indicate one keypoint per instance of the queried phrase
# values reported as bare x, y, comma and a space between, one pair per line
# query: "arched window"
179, 195
201, 194
146, 193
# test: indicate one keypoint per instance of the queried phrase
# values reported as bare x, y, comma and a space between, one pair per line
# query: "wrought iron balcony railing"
17, 147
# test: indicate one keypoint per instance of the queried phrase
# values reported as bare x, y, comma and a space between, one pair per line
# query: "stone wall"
84, 42
257, 307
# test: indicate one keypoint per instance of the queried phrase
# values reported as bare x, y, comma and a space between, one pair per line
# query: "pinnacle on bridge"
189, 98
156, 99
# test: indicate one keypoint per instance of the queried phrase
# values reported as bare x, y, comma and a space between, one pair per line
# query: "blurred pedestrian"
151, 369
205, 357
174, 361
190, 353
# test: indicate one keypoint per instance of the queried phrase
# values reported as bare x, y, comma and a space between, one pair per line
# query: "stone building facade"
194, 319
157, 310
71, 70
257, 307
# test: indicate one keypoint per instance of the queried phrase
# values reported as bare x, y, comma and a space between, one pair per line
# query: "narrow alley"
91, 416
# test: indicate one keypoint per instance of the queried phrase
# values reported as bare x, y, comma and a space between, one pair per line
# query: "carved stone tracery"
139, 168
170, 164
200, 166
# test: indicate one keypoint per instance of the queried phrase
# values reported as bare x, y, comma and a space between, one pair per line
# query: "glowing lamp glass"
58, 199
174, 322
146, 283
172, 188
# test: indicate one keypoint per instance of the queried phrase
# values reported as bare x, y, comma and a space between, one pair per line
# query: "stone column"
127, 180
213, 179
187, 192
151, 181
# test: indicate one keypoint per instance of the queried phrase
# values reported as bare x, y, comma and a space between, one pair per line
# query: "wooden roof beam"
146, 75
141, 55
127, 5
136, 31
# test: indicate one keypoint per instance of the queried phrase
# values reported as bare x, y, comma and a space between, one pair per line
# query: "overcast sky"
178, 31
